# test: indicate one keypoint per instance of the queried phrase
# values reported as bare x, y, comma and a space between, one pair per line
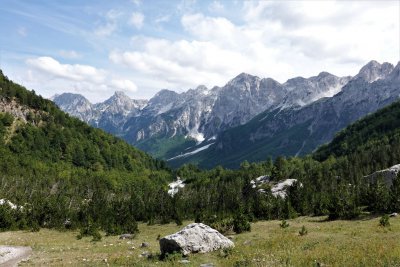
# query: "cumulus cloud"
75, 72
278, 39
137, 20
125, 85
78, 78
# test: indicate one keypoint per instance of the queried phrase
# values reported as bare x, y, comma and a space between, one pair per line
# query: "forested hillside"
63, 173
60, 169
376, 137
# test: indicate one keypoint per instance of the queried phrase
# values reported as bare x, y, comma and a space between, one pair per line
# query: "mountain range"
247, 119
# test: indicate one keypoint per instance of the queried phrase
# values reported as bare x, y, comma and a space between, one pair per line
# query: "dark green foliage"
395, 194
284, 224
343, 204
241, 224
384, 221
303, 231
379, 197
374, 132
70, 172
90, 229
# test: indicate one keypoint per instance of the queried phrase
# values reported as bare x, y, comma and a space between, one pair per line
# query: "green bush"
241, 224
89, 229
284, 224
384, 221
303, 231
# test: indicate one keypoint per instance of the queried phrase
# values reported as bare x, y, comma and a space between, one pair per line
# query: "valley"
247, 119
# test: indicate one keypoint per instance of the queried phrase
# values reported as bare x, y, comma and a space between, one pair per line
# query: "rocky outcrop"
278, 189
17, 110
194, 238
388, 175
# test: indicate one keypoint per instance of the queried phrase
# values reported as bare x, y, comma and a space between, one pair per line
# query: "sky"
97, 47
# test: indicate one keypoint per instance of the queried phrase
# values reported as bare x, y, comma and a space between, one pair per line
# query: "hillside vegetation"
62, 170
375, 138
63, 174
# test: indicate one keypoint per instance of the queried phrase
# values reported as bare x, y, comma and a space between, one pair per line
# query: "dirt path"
11, 256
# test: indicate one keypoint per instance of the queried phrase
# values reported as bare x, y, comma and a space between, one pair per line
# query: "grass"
328, 243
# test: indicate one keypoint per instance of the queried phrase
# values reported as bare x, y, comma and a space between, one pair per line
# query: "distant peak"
242, 77
120, 94
373, 71
324, 74
201, 88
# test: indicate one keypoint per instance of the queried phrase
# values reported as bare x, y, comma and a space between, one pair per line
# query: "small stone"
145, 254
126, 236
394, 214
207, 265
184, 261
144, 245
247, 242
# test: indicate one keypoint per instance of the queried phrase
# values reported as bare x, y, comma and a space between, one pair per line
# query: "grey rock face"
194, 238
323, 104
374, 71
388, 175
199, 113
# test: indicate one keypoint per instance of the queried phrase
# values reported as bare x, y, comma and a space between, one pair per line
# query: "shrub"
284, 224
241, 224
303, 231
384, 221
89, 230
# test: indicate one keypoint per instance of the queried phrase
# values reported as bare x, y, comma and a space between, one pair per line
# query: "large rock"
194, 238
388, 175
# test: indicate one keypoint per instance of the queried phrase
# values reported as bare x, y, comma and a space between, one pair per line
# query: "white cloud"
278, 39
125, 85
162, 19
186, 6
110, 24
136, 2
69, 54
137, 20
216, 6
55, 77
75, 72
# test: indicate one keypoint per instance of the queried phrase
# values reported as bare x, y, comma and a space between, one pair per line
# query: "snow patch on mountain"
192, 152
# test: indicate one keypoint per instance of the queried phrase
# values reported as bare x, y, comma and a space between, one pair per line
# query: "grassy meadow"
328, 243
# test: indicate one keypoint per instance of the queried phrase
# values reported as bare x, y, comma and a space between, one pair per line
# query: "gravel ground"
11, 256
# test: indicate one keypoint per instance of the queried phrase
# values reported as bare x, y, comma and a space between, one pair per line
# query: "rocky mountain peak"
395, 74
373, 71
75, 104
242, 78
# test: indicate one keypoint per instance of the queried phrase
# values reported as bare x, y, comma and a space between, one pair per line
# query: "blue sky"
142, 46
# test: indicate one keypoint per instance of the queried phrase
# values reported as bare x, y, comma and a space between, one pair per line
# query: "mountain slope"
69, 171
299, 130
170, 123
379, 129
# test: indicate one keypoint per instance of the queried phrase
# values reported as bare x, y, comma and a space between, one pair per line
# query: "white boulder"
194, 238
174, 186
